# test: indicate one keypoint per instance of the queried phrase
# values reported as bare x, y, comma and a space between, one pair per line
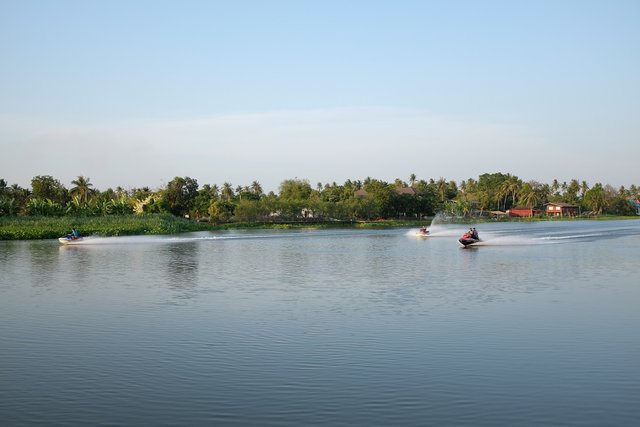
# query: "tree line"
298, 200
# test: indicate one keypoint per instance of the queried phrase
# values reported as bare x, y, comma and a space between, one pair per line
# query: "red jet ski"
469, 238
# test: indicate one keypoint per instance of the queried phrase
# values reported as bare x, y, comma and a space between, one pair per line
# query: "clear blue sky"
133, 93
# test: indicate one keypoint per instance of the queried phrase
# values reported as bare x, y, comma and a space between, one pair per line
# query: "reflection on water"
536, 326
181, 264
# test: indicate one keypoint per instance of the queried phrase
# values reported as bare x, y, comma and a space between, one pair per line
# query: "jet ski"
422, 232
70, 240
469, 238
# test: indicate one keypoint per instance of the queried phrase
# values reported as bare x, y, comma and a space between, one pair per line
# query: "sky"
135, 93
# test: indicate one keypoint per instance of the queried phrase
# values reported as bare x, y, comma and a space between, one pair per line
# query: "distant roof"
405, 190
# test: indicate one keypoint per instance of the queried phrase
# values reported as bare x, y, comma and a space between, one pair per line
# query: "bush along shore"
29, 228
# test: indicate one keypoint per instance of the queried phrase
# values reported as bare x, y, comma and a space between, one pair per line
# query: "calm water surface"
537, 326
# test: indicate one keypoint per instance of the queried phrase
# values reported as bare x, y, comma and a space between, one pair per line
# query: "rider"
474, 233
74, 234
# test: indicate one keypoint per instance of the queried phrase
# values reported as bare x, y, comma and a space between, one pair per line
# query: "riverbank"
33, 228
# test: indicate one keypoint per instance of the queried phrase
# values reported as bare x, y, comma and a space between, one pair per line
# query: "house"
561, 209
523, 211
406, 190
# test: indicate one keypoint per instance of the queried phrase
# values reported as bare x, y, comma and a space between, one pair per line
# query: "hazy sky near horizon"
134, 93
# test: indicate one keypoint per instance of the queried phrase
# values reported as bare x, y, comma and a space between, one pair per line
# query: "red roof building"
523, 211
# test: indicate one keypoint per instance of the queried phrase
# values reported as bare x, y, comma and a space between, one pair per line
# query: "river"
538, 325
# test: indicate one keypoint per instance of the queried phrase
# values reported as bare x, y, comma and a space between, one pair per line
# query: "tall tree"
295, 189
180, 195
571, 192
227, 191
488, 188
442, 188
256, 188
527, 195
45, 187
509, 187
595, 198
82, 188
583, 188
555, 187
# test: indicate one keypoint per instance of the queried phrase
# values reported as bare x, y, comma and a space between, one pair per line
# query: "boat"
68, 240
469, 238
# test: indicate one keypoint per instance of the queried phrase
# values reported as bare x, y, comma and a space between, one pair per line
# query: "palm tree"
584, 187
227, 191
555, 186
528, 196
214, 191
412, 180
82, 188
509, 187
442, 188
256, 188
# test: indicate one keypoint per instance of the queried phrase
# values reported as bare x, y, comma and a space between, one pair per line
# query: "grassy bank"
29, 228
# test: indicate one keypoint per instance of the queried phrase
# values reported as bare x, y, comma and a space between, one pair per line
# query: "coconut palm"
527, 195
441, 188
509, 187
227, 191
256, 188
584, 187
82, 188
555, 186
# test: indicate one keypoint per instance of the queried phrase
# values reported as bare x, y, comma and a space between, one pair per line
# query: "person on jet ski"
474, 233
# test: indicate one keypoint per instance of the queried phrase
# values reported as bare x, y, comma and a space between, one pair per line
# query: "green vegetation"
48, 209
36, 227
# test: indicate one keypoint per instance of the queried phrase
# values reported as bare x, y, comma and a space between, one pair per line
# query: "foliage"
594, 198
295, 189
45, 187
180, 195
221, 210
43, 207
8, 207
22, 228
